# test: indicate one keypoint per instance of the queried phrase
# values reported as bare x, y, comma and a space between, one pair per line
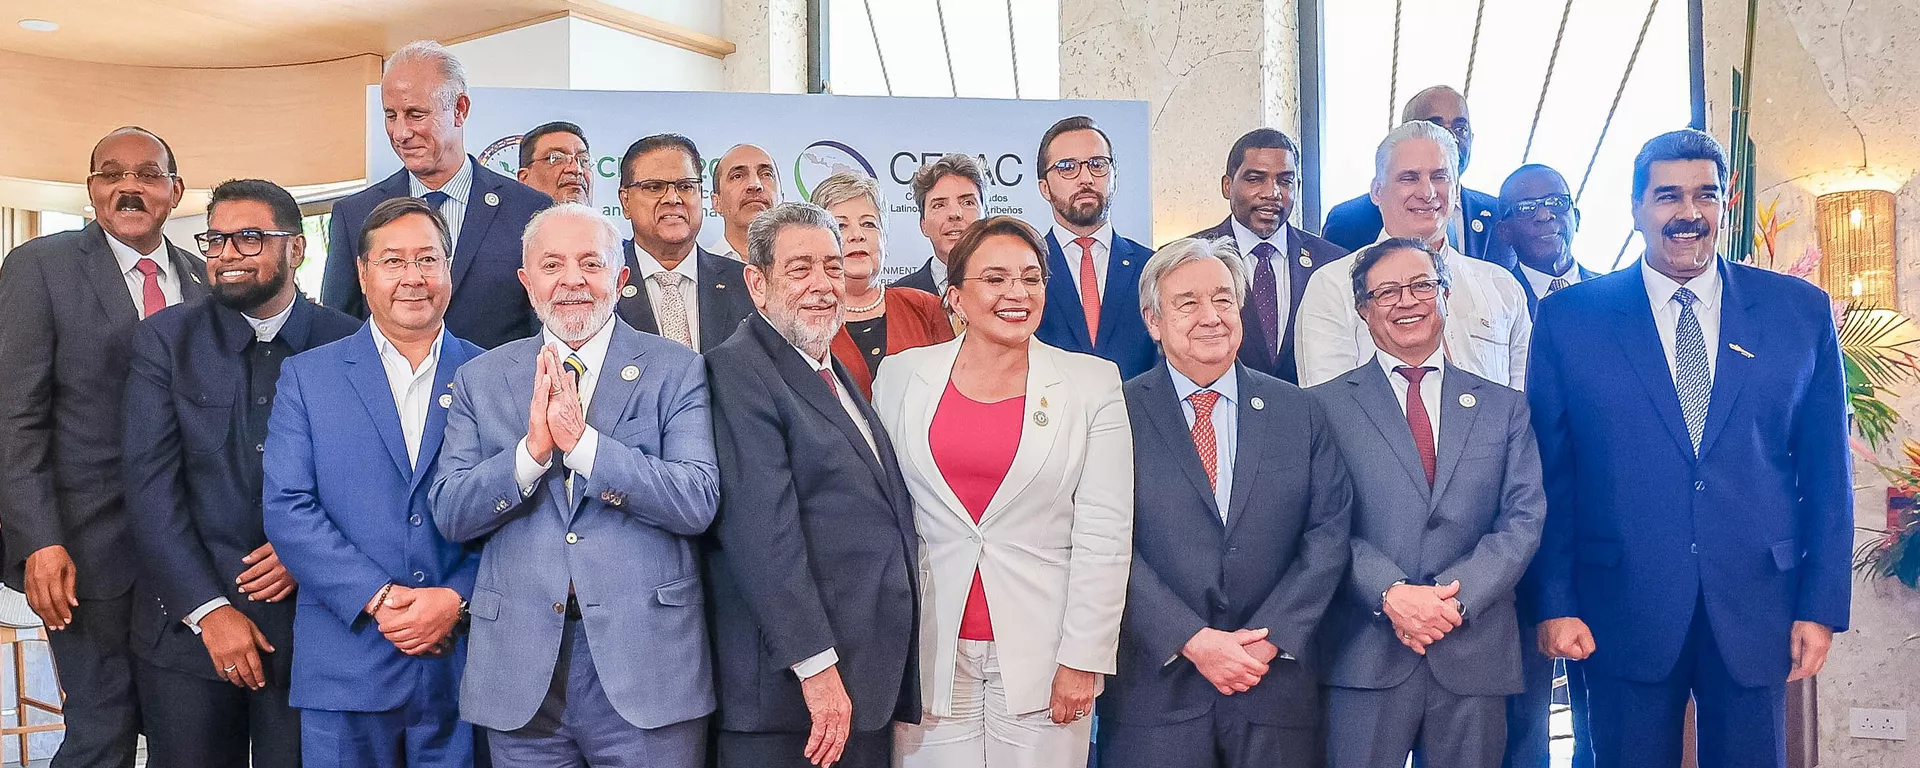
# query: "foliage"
1876, 359
1767, 231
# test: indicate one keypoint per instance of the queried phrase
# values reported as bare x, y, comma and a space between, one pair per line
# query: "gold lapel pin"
1742, 350
1043, 401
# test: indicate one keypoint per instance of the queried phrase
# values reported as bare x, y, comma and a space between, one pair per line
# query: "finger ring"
1079, 713
229, 670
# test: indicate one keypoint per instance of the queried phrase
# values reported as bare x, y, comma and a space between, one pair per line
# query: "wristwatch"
466, 618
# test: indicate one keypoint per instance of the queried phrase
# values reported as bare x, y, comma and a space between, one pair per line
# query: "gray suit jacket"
624, 540
1478, 524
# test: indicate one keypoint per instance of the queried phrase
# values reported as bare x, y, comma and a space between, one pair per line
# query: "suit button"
260, 448
1433, 523
414, 519
573, 538
259, 401
1699, 485
1694, 548
419, 577
560, 608
500, 506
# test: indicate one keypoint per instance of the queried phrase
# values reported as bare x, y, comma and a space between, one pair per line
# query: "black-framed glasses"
1558, 204
151, 177
246, 242
1069, 168
556, 158
1422, 290
688, 187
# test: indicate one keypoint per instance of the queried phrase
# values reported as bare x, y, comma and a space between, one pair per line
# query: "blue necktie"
1692, 378
436, 198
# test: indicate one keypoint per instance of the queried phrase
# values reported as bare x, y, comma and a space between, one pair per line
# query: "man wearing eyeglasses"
676, 289
745, 184
1537, 223
424, 97
1448, 509
554, 159
1094, 273
213, 623
1357, 222
68, 305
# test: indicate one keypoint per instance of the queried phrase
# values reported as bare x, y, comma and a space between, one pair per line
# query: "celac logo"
507, 151
822, 159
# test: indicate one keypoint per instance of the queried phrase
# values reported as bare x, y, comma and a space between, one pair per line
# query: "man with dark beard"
582, 462
1090, 268
813, 557
212, 589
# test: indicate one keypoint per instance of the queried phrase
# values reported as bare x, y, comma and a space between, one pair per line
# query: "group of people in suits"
519, 492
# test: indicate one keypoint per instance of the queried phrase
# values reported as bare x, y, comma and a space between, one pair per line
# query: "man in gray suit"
1448, 508
585, 459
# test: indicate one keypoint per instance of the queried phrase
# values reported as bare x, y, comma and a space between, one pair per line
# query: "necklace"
877, 299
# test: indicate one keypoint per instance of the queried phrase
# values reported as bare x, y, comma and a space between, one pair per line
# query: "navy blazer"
922, 279
1123, 333
814, 546
489, 305
1355, 224
1306, 252
1533, 302
722, 291
194, 473
347, 515
1639, 531
1275, 563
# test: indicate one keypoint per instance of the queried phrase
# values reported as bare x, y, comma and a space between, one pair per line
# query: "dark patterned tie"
1417, 418
1266, 296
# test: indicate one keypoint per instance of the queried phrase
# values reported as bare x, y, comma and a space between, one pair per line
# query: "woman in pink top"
1020, 461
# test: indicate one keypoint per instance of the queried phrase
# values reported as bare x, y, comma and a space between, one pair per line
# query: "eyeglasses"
1422, 290
658, 187
394, 266
246, 242
582, 160
1069, 168
1558, 204
151, 177
1004, 283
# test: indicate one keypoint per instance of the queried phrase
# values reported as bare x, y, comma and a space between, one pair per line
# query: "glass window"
901, 48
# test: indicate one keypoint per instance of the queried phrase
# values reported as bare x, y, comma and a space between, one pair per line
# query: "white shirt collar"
650, 266
1245, 239
1227, 386
1660, 288
266, 329
1103, 236
391, 353
1437, 361
128, 257
456, 187
939, 273
593, 353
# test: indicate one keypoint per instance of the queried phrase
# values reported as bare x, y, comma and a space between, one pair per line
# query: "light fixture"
38, 25
1857, 246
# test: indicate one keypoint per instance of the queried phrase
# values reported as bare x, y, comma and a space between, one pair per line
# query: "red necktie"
151, 298
1203, 402
1417, 418
1089, 289
826, 375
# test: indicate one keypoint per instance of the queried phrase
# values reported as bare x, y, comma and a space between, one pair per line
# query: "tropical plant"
1876, 358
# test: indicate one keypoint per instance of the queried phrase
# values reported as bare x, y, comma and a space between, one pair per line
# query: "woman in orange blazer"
880, 320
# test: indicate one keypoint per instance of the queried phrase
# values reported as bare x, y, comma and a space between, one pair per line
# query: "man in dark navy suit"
675, 288
1355, 224
1093, 283
951, 194
1262, 179
213, 614
424, 95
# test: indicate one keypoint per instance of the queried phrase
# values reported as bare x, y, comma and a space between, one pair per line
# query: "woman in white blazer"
1020, 461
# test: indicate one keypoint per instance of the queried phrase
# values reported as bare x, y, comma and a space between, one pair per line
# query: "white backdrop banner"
810, 138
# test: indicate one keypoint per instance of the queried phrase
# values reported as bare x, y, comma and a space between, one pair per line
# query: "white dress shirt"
1666, 312
1246, 240
593, 354
939, 270
1488, 326
819, 662
1540, 281
167, 276
454, 210
1102, 248
689, 271
1226, 427
412, 387
1429, 386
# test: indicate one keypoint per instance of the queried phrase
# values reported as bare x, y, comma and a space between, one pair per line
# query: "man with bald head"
1537, 224
424, 97
1356, 223
68, 305
745, 183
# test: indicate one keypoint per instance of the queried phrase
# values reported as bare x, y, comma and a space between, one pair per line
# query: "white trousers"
982, 733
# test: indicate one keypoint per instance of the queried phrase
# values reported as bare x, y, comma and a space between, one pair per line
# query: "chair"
18, 625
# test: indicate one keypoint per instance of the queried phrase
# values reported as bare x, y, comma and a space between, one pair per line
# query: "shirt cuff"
526, 471
580, 459
193, 619
816, 664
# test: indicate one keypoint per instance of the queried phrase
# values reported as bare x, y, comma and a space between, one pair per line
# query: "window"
903, 48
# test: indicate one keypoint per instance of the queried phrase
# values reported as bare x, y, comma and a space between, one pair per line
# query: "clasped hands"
1233, 661
1423, 615
417, 621
554, 418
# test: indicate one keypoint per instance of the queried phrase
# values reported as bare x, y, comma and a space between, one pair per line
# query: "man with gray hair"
1415, 185
813, 556
1356, 223
424, 97
1218, 658
582, 462
951, 193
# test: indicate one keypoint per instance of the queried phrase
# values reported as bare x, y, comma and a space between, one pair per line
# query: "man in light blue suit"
1093, 283
355, 431
584, 460
1692, 422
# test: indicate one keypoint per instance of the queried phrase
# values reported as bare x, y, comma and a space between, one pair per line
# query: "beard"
571, 325
247, 297
814, 337
1081, 215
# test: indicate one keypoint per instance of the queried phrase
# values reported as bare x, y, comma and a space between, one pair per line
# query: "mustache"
1684, 227
130, 200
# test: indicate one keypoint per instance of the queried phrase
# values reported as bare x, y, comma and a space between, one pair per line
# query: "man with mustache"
213, 589
1448, 507
951, 194
1093, 281
744, 184
813, 557
679, 290
356, 432
1693, 425
1262, 179
1357, 222
1487, 326
582, 462
68, 305
424, 97
554, 159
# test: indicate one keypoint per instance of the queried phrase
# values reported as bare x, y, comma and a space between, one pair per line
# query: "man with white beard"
582, 460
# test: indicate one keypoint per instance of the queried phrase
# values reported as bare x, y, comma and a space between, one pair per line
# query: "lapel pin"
1485, 323
449, 385
492, 199
1306, 259
1467, 400
1742, 350
630, 291
1043, 401
446, 401
720, 286
1040, 418
1258, 404
1125, 263
630, 372
1479, 227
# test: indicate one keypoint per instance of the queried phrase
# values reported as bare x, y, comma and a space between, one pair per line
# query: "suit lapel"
921, 400
1037, 432
1169, 420
1375, 395
109, 285
637, 309
1731, 369
1250, 443
812, 390
1533, 302
482, 203
192, 272
1064, 294
718, 296
1639, 342
1118, 301
369, 379
451, 358
1456, 423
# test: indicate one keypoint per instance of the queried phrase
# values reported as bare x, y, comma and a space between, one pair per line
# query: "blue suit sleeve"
164, 535
1547, 592
472, 495
677, 491
1825, 478
340, 283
